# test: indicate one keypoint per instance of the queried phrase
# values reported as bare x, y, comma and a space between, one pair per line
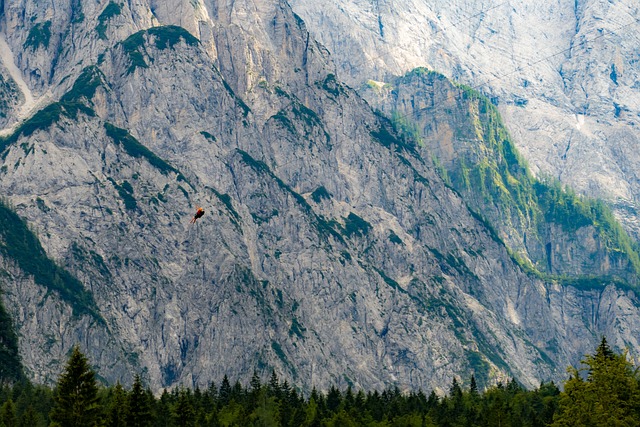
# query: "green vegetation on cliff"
163, 37
20, 245
539, 220
112, 10
9, 95
39, 35
77, 100
134, 148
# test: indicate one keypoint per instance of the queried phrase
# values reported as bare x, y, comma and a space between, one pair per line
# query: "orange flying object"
199, 213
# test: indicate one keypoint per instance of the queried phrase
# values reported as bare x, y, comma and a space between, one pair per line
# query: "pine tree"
237, 392
374, 405
224, 396
38, 397
548, 394
8, 414
284, 404
296, 403
43, 400
495, 406
455, 391
212, 392
266, 412
274, 384
255, 383
349, 399
473, 387
311, 413
209, 399
455, 401
609, 396
138, 405
198, 399
184, 414
334, 398
163, 410
256, 387
360, 401
30, 418
116, 409
10, 362
76, 394
604, 351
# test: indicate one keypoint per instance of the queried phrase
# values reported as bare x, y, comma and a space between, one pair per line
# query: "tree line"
604, 391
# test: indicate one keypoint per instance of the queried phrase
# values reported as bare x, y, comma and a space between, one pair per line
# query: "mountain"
333, 249
563, 74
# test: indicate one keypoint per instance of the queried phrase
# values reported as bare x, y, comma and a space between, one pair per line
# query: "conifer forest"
603, 391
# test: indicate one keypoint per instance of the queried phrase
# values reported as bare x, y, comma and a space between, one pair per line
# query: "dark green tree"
274, 385
375, 406
341, 419
548, 403
254, 392
163, 410
10, 363
495, 406
266, 412
296, 403
311, 416
209, 398
455, 391
116, 407
76, 394
452, 407
211, 395
184, 414
473, 387
39, 397
30, 418
287, 405
255, 383
224, 396
8, 415
334, 398
238, 393
139, 412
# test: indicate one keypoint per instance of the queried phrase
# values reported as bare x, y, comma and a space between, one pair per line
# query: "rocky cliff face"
563, 74
551, 230
330, 250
